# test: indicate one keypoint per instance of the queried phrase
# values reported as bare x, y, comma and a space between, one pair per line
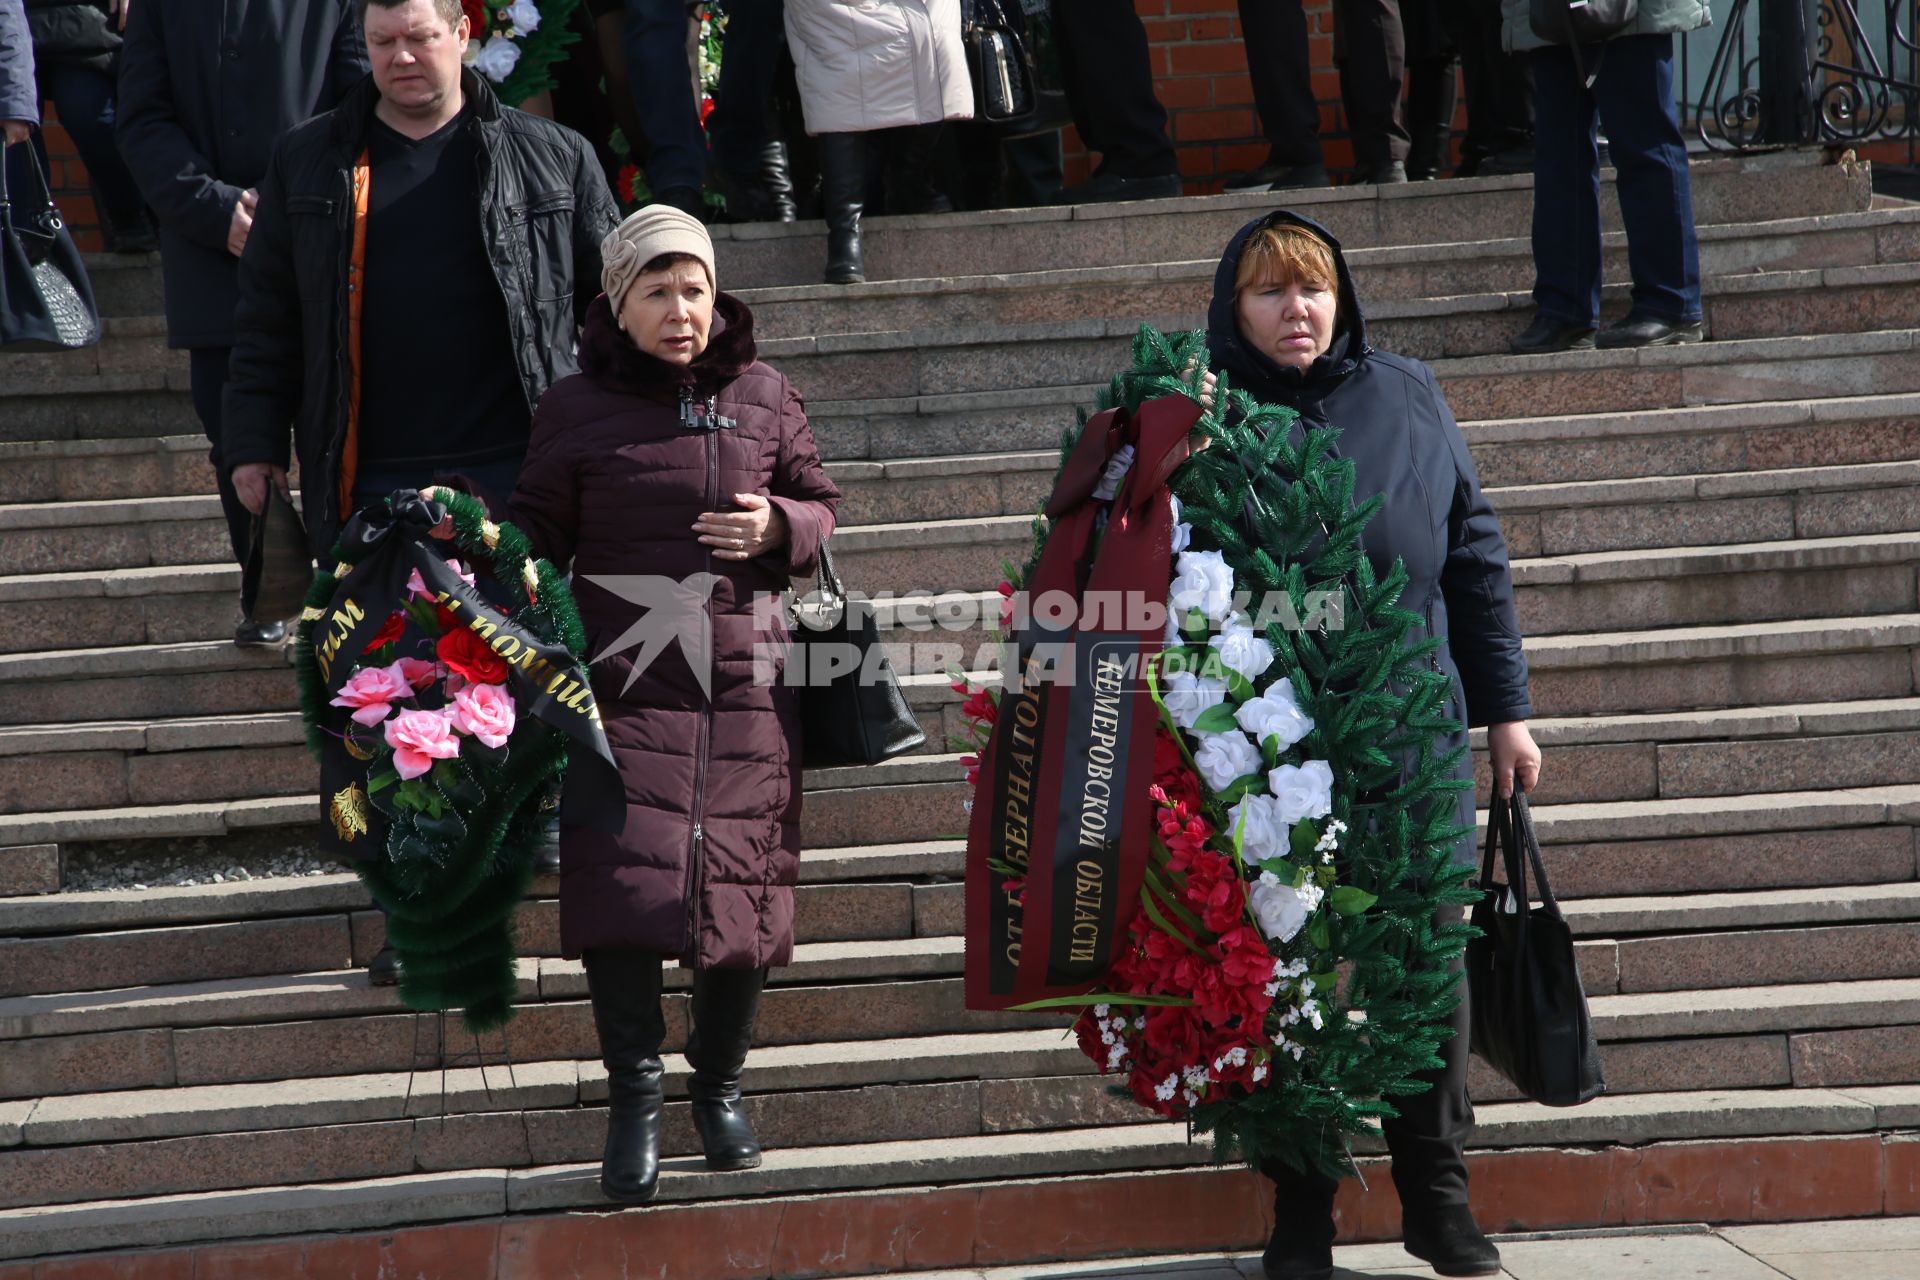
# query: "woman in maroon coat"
678, 477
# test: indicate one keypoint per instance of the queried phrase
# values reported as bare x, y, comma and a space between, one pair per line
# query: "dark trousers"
1428, 1138
656, 48
207, 379
740, 126
1633, 98
1499, 84
1370, 49
84, 97
1109, 82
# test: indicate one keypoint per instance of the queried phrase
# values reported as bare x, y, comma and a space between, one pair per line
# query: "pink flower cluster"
483, 712
372, 691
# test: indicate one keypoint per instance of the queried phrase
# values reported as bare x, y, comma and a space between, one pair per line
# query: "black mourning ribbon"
395, 539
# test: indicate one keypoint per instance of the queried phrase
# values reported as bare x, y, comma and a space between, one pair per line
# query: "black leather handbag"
1530, 1019
1000, 62
46, 300
859, 716
279, 568
1579, 22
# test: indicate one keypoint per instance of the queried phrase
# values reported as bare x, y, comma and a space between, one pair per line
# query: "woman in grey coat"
1628, 89
19, 100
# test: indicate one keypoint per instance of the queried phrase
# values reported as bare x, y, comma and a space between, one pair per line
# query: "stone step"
128, 344
144, 681
754, 255
1732, 257
36, 471
126, 284
985, 1152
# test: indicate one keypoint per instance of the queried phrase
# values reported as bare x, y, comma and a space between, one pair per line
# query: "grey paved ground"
1863, 1249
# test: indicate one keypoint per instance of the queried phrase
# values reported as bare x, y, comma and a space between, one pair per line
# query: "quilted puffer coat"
613, 480
878, 64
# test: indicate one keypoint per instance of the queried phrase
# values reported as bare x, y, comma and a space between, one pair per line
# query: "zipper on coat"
696, 841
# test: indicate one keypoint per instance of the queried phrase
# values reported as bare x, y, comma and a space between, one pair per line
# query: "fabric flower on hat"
418, 738
1275, 713
1304, 791
1204, 582
1222, 757
1241, 648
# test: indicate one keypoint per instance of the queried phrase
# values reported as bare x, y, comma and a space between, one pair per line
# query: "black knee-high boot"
724, 1004
1302, 1244
843, 194
625, 987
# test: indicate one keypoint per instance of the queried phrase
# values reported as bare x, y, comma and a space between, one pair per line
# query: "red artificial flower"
444, 616
1215, 891
390, 630
466, 654
476, 17
706, 109
623, 182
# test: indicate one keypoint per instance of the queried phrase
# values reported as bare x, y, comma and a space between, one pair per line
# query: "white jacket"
878, 64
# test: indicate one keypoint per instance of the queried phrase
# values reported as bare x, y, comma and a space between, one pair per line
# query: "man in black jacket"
206, 90
420, 261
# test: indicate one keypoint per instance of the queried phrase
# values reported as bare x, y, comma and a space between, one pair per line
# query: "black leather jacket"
544, 207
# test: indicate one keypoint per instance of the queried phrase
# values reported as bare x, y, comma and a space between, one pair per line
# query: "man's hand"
242, 224
1512, 753
117, 10
250, 481
17, 131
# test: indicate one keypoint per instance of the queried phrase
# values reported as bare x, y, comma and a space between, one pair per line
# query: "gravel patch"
168, 863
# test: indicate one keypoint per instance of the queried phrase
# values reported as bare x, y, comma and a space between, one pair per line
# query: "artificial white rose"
1282, 910
1304, 791
1222, 757
1203, 582
1263, 836
497, 58
1188, 696
1171, 637
525, 16
1241, 648
1275, 713
1182, 532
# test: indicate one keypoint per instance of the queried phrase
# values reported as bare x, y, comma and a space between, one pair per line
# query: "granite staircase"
1717, 550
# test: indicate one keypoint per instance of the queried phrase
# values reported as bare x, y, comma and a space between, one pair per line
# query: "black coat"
1395, 426
206, 90
75, 33
544, 207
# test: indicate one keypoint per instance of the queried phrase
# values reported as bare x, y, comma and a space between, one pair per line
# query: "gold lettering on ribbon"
1096, 798
339, 625
1016, 821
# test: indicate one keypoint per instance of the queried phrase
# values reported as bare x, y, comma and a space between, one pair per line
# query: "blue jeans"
656, 48
84, 97
1633, 98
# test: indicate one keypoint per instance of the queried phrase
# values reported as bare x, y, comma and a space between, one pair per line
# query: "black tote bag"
859, 716
1530, 1019
1000, 63
46, 300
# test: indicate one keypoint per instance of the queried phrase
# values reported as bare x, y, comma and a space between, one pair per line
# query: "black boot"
1302, 1243
843, 189
765, 195
1449, 1240
724, 1004
910, 186
776, 175
625, 986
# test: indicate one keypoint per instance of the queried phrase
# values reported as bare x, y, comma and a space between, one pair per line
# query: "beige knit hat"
644, 236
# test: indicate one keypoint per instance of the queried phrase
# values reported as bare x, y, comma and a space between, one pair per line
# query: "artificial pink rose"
371, 691
418, 585
418, 738
485, 711
416, 673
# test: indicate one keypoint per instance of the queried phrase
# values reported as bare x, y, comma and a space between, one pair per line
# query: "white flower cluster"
1265, 822
1281, 909
525, 17
495, 59
1330, 840
1112, 1031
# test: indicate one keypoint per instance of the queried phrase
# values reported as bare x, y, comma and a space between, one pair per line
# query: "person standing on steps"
1628, 91
1286, 327
1108, 70
1499, 87
199, 118
19, 100
674, 456
893, 68
1369, 48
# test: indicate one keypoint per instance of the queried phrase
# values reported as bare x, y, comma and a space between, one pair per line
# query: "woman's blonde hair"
1285, 254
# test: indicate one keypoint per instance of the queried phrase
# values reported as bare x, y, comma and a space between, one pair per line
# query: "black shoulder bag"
46, 300
1000, 63
859, 716
1579, 22
1530, 1019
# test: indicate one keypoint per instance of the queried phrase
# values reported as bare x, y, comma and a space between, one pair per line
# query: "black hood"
1256, 374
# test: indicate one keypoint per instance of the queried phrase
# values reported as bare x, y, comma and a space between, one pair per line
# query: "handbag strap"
1529, 846
828, 577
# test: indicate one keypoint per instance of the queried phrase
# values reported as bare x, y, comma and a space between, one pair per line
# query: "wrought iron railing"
1788, 72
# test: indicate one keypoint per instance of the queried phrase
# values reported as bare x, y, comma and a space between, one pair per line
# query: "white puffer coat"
878, 64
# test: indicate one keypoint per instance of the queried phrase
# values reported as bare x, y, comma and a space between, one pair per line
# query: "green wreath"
452, 901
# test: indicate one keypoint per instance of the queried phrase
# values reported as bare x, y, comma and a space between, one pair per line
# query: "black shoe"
1387, 173
1517, 160
625, 989
1449, 1241
1106, 188
843, 187
260, 635
1547, 334
766, 196
1302, 1244
685, 199
384, 969
1648, 331
724, 1004
1280, 177
546, 859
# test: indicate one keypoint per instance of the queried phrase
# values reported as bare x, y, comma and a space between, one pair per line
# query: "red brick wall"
71, 189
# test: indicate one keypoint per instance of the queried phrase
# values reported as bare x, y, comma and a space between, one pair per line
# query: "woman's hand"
445, 528
1511, 751
742, 535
